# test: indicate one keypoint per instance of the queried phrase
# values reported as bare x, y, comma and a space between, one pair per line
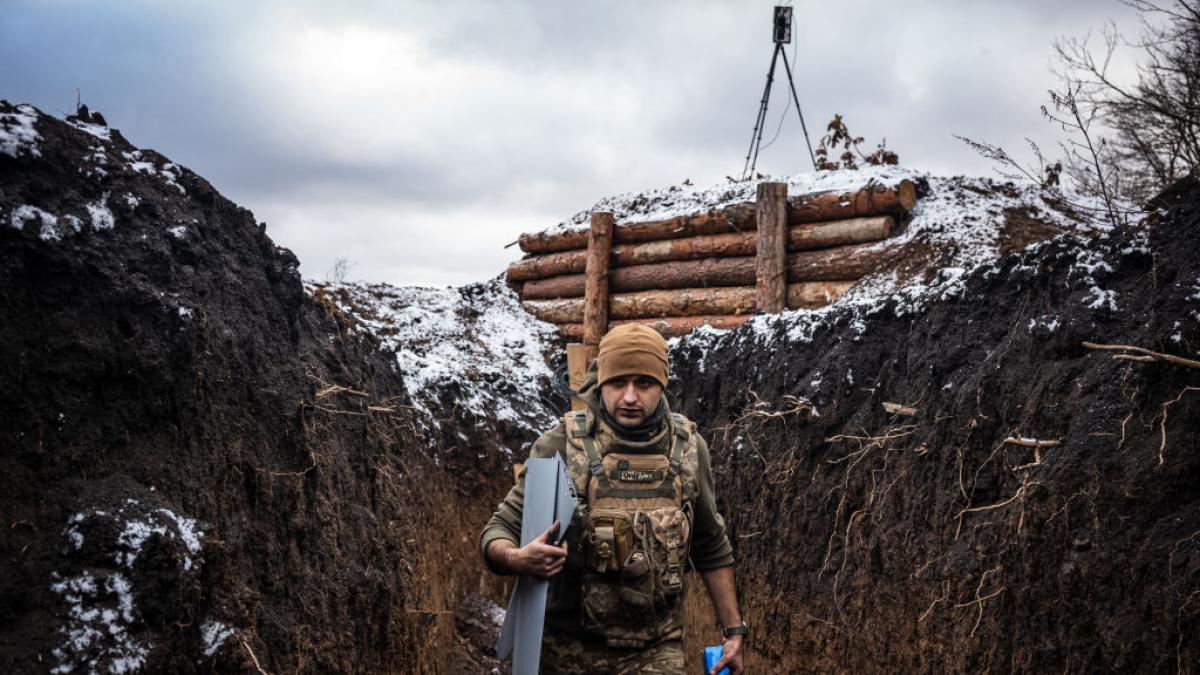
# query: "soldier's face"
630, 399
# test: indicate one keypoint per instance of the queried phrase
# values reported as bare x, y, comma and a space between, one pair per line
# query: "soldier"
647, 508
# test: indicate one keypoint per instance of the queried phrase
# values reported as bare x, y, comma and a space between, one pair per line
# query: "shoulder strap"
580, 430
678, 442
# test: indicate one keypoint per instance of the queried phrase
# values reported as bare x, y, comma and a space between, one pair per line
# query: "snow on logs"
812, 208
803, 237
686, 271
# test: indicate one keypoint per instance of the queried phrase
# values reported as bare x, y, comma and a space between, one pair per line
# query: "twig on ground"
900, 409
1034, 443
339, 389
1142, 354
1031, 442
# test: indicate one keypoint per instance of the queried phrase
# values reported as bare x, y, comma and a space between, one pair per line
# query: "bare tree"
1154, 124
338, 271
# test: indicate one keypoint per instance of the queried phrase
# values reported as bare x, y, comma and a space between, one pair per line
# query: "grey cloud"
596, 99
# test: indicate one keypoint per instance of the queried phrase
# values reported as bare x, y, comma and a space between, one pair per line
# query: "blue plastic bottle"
711, 656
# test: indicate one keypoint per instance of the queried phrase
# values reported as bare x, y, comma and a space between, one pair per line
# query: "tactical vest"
635, 524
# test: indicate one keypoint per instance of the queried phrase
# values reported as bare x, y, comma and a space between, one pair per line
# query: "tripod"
756, 135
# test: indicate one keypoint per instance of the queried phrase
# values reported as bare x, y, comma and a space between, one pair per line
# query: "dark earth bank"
205, 468
923, 541
210, 469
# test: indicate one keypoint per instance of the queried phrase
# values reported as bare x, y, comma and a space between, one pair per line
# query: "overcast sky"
416, 139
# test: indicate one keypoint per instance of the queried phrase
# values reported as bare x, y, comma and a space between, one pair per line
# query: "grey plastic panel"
549, 496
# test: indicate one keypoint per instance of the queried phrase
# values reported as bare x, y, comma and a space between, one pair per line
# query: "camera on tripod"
783, 25
781, 33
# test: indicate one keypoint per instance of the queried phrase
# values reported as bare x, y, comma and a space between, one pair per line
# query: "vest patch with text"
637, 528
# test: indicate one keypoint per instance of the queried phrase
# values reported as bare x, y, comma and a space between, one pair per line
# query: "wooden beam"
869, 201
732, 218
842, 263
687, 302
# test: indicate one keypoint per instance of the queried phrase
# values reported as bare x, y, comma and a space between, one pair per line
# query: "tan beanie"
632, 349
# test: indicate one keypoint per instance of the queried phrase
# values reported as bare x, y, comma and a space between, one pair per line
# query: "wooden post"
595, 300
595, 295
771, 264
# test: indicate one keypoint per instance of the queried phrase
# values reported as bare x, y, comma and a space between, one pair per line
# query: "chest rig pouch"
635, 539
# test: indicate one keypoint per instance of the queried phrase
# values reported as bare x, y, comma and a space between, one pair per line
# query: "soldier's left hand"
731, 655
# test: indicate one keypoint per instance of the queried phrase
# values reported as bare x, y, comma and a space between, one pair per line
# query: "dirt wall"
878, 542
205, 468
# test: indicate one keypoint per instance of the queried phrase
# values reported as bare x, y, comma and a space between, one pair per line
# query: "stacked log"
700, 269
803, 237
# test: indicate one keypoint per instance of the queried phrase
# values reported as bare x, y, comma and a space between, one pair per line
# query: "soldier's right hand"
539, 558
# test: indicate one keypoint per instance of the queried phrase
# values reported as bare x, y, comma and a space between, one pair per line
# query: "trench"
214, 468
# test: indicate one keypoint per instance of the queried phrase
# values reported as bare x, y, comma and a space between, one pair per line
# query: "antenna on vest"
781, 34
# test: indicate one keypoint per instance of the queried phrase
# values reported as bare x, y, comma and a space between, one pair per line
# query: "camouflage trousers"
566, 656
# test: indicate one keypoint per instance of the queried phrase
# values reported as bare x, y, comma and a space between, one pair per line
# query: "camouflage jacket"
710, 547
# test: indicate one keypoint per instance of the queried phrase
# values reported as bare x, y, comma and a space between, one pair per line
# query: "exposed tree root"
936, 601
980, 599
1019, 495
246, 646
1162, 446
1142, 355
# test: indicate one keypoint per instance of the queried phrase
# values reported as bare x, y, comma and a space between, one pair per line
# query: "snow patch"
25, 214
137, 525
168, 172
102, 218
100, 612
1047, 323
179, 231
680, 200
213, 634
98, 130
17, 133
1101, 299
475, 344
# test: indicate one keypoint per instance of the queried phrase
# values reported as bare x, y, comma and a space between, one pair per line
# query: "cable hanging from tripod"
782, 34
788, 104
